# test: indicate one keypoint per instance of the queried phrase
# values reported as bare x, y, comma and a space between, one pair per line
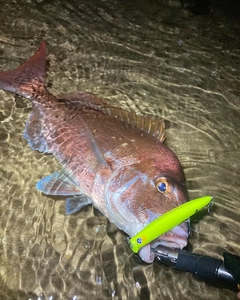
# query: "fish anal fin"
74, 204
33, 132
28, 77
59, 183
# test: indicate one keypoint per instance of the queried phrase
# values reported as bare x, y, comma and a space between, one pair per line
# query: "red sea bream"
112, 158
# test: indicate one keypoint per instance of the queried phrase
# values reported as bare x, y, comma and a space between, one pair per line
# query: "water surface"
146, 55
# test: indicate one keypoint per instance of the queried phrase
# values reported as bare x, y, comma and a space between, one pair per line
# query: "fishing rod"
224, 272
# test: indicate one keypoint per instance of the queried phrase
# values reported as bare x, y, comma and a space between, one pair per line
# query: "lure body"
166, 222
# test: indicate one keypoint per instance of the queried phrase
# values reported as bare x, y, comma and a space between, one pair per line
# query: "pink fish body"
111, 158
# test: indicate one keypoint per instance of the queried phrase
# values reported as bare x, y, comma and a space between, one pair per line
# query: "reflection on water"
148, 56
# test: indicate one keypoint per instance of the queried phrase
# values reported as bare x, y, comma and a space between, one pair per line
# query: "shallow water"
149, 56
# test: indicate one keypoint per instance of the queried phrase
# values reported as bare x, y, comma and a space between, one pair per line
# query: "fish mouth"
176, 238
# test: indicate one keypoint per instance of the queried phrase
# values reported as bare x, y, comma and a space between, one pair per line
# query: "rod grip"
202, 266
206, 268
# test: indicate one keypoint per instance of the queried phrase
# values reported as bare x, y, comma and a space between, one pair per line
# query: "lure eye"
163, 186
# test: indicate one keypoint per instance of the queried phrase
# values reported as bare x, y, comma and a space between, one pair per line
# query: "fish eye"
163, 185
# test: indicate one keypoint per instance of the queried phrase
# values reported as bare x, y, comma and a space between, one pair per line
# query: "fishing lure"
166, 222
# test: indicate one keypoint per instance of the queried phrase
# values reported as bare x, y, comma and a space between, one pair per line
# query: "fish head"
137, 194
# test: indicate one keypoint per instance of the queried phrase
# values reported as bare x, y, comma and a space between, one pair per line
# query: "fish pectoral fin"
59, 183
75, 204
95, 160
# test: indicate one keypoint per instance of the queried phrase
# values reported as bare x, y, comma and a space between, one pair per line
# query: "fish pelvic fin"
28, 79
76, 203
59, 183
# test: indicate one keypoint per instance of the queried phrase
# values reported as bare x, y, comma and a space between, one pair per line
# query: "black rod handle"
206, 268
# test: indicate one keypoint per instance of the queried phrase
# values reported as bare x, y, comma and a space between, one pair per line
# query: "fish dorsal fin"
83, 99
151, 124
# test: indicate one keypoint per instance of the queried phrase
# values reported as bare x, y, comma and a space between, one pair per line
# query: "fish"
111, 158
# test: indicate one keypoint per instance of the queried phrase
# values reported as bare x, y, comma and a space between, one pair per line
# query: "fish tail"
28, 79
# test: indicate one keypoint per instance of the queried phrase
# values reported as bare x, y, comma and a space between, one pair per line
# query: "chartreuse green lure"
166, 222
